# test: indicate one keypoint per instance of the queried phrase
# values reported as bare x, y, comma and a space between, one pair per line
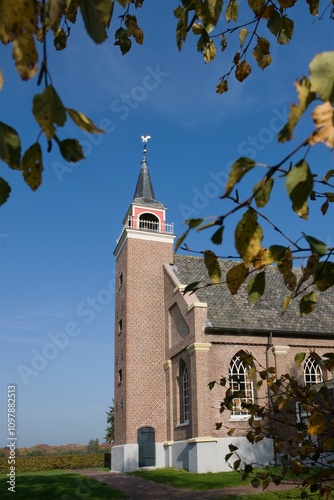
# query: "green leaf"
307, 303
322, 75
248, 237
232, 447
287, 31
256, 286
5, 190
239, 168
217, 237
209, 12
83, 122
182, 26
299, 184
10, 146
212, 265
324, 276
32, 166
299, 358
49, 111
192, 287
71, 150
275, 22
236, 464
262, 192
60, 40
328, 175
277, 252
235, 277
97, 15
232, 11
317, 247
122, 39
192, 223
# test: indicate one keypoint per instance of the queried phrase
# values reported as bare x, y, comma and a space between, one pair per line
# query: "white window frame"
312, 371
239, 380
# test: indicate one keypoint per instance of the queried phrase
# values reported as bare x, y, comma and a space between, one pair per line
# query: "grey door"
146, 446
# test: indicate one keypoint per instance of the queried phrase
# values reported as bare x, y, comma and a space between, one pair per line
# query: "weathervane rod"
144, 139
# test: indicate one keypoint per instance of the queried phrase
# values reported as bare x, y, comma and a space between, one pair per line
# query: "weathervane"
144, 139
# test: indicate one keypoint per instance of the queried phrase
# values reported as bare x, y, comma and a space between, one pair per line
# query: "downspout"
269, 345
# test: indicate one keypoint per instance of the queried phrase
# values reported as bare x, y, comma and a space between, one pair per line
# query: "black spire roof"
144, 194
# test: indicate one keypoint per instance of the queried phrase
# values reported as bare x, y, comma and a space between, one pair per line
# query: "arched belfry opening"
149, 222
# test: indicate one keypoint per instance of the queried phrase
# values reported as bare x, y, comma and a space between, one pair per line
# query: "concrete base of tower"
198, 455
125, 458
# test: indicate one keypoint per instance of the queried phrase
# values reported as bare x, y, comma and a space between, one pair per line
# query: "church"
169, 346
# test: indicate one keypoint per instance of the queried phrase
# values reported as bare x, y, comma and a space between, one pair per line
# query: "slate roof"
226, 311
144, 194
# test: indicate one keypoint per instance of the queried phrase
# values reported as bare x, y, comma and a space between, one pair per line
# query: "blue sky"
57, 264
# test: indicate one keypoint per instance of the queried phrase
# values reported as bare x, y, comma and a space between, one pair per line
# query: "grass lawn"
57, 485
185, 479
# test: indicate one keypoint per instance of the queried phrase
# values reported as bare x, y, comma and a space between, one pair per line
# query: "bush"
63, 462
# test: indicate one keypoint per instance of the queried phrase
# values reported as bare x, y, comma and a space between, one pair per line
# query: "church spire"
144, 193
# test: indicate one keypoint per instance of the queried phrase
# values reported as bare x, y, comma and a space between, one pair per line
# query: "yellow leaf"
18, 20
1, 79
236, 276
305, 97
209, 52
248, 237
83, 122
262, 259
316, 424
323, 117
25, 56
286, 302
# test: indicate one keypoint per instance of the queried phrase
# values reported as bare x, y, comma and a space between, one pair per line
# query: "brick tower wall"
140, 396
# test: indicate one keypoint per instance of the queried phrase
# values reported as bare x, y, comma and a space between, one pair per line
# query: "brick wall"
141, 395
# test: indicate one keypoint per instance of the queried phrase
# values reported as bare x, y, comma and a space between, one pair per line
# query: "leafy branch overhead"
303, 185
297, 416
26, 24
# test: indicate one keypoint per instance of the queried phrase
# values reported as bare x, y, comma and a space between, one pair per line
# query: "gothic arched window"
240, 385
312, 371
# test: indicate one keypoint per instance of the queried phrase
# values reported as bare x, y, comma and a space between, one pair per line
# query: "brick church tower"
145, 244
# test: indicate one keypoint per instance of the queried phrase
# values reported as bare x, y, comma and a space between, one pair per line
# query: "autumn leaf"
236, 276
212, 264
243, 70
239, 168
322, 75
299, 184
32, 166
5, 190
323, 117
248, 237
